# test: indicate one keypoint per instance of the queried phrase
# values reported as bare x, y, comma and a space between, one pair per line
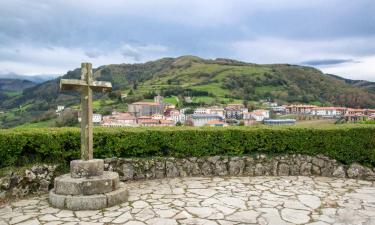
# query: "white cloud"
58, 60
267, 50
143, 52
362, 70
279, 50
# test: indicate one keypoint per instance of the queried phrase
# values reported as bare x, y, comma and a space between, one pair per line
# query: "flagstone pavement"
218, 200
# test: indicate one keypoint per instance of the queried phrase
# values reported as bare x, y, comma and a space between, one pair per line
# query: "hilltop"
13, 87
207, 81
33, 78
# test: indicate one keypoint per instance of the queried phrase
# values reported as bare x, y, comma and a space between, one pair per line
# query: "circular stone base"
89, 202
66, 185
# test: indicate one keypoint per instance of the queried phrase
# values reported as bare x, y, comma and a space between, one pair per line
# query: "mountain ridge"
33, 78
13, 87
209, 81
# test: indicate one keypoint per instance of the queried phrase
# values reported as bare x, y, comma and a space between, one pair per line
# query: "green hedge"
345, 143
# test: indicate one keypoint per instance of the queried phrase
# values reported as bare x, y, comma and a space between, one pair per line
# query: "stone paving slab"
218, 201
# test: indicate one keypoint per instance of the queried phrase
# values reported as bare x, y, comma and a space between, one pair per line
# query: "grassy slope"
285, 83
43, 124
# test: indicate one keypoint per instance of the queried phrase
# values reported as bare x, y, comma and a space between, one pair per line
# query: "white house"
258, 115
211, 110
203, 119
175, 115
277, 109
59, 109
217, 111
201, 111
328, 111
235, 111
96, 118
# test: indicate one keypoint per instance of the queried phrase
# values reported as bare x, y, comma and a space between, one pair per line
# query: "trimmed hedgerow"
346, 144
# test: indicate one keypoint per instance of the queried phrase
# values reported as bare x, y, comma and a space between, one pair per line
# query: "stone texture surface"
34, 180
86, 168
66, 185
89, 202
258, 165
262, 200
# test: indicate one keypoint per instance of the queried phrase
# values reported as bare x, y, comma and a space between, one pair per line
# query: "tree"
106, 110
189, 122
135, 85
189, 111
68, 118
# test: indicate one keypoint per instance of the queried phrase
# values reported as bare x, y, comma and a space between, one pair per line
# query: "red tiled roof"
257, 113
124, 116
301, 106
214, 122
329, 108
356, 110
166, 122
260, 110
149, 121
145, 103
144, 117
235, 106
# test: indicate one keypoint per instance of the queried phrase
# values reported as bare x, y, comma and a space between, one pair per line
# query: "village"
160, 113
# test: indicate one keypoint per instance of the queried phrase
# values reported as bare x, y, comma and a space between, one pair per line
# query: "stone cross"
86, 85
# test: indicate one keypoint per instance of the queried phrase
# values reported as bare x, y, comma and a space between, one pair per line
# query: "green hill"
13, 87
206, 81
358, 83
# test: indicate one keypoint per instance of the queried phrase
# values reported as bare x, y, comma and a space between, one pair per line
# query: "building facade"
138, 109
203, 119
328, 111
235, 111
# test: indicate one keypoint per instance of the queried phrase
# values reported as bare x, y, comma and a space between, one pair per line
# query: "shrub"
347, 144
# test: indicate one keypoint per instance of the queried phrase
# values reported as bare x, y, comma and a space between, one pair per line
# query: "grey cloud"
205, 28
131, 52
323, 62
93, 53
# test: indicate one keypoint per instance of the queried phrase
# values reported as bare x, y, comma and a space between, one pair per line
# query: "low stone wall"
259, 165
39, 178
34, 180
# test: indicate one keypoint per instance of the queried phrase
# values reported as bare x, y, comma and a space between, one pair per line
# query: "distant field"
171, 100
13, 93
316, 123
42, 124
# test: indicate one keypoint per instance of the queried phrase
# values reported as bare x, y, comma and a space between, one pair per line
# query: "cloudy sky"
53, 36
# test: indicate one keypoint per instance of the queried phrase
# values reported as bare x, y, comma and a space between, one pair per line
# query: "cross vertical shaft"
86, 109
86, 85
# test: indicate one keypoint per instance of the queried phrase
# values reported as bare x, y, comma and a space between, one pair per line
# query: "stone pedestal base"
89, 202
87, 187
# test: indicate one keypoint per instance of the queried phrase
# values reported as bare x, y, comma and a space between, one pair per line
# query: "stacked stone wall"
258, 165
40, 178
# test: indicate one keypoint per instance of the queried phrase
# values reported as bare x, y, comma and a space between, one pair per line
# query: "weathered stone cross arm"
67, 84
